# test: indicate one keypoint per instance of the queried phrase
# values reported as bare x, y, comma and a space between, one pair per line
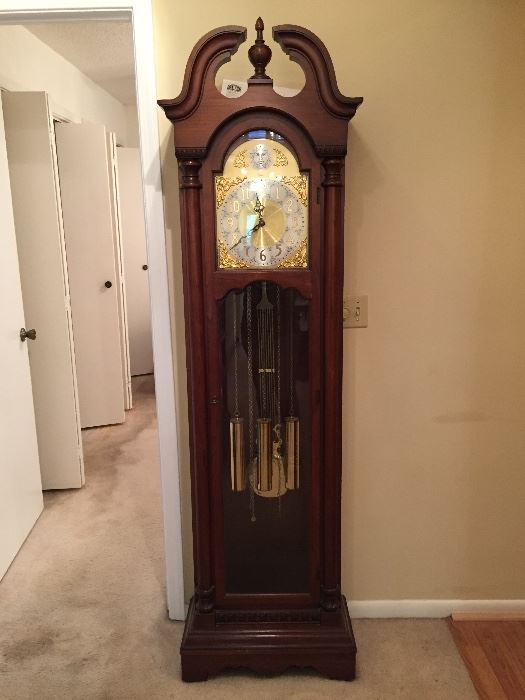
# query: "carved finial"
260, 55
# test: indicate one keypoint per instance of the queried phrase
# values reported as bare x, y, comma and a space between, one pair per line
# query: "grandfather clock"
262, 206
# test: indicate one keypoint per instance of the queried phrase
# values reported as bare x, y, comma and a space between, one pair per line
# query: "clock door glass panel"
261, 201
266, 439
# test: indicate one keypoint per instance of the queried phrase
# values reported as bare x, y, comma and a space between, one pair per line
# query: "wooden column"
332, 373
191, 225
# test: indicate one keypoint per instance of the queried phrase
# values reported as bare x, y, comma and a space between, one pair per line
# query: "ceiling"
101, 50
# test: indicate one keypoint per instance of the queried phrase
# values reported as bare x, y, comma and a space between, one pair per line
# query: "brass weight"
237, 457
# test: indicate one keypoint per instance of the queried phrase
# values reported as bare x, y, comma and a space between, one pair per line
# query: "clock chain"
291, 421
277, 429
251, 411
237, 453
266, 371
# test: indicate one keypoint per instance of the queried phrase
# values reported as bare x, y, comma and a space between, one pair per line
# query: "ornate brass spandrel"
226, 261
298, 260
223, 185
299, 184
240, 160
280, 159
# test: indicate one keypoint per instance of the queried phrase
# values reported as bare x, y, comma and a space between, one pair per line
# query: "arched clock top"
306, 49
319, 108
212, 51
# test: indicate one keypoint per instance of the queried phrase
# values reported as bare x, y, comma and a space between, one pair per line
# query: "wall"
26, 63
434, 389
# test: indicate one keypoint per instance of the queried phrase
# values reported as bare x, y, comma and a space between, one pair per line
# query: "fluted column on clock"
332, 375
191, 225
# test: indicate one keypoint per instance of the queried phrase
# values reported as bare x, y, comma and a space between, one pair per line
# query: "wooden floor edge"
482, 675
487, 616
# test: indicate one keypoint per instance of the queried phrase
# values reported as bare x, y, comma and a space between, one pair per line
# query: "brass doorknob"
31, 334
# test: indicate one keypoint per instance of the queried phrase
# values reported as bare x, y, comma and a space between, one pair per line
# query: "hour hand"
258, 207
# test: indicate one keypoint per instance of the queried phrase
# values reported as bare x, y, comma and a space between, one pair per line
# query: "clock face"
262, 208
262, 222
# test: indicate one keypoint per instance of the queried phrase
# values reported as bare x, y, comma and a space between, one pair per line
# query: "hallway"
83, 603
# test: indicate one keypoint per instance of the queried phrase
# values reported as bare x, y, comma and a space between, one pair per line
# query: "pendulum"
264, 454
265, 323
267, 474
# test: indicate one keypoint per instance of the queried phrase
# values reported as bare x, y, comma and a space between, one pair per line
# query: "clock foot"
269, 647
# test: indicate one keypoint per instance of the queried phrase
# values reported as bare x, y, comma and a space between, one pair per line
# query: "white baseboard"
431, 608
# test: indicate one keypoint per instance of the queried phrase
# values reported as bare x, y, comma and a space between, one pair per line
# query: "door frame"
140, 14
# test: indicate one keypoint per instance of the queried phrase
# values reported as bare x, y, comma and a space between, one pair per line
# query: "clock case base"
215, 641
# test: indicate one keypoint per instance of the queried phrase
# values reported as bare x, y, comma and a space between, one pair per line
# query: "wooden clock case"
264, 632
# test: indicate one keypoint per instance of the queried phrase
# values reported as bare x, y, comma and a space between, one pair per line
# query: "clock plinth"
268, 642
262, 208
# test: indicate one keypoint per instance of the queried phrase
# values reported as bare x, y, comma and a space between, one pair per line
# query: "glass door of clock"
266, 439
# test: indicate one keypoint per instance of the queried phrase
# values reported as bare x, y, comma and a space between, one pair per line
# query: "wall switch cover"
355, 312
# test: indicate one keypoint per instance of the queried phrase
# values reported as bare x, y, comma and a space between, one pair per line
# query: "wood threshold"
487, 616
493, 651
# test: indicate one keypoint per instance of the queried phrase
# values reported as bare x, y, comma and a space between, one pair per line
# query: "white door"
86, 207
135, 260
43, 270
119, 271
20, 486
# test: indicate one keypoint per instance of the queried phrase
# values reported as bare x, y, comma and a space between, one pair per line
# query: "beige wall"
434, 389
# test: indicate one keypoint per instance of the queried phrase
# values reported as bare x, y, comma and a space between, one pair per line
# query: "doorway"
140, 15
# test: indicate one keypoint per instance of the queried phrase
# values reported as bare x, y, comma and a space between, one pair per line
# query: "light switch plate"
355, 312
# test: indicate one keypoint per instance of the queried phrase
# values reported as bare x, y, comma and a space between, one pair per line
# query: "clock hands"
257, 226
258, 208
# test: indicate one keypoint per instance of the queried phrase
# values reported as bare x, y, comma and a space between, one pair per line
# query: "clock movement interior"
267, 470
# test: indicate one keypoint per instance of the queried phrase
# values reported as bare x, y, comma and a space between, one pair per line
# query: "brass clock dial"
262, 208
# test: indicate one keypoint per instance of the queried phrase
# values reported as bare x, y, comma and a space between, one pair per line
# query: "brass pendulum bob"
237, 457
291, 424
267, 476
264, 454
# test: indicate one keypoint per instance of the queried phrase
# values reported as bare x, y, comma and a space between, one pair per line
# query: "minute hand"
257, 226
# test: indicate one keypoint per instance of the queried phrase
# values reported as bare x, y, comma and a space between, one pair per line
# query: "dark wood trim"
306, 49
209, 54
333, 210
190, 188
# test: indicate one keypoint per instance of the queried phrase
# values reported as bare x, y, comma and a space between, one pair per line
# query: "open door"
43, 271
135, 260
86, 207
119, 270
21, 490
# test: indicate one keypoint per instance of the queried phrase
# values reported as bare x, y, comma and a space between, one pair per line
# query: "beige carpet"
82, 612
